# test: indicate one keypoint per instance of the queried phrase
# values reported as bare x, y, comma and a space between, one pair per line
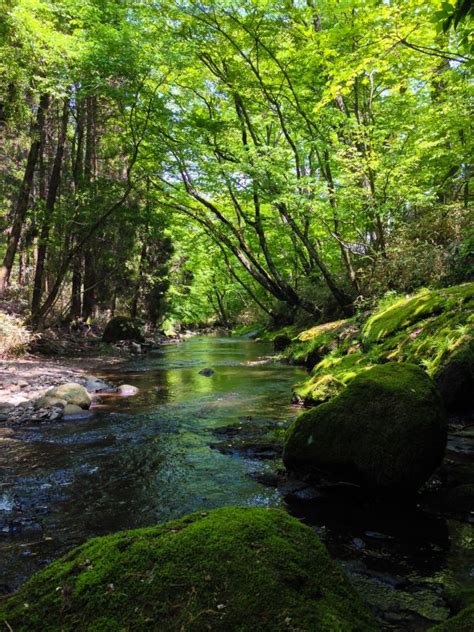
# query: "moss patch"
386, 430
433, 329
407, 311
236, 569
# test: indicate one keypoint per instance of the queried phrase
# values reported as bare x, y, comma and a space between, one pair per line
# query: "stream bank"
205, 430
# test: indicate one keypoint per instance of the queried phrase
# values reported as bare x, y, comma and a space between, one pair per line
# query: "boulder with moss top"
240, 569
385, 431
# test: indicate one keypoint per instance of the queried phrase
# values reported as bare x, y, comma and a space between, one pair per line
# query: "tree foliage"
245, 158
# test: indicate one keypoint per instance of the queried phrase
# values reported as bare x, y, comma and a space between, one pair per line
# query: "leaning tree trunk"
24, 195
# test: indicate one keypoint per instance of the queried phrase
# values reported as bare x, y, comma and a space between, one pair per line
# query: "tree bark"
50, 203
24, 194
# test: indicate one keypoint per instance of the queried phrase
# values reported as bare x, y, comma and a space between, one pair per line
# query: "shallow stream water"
152, 457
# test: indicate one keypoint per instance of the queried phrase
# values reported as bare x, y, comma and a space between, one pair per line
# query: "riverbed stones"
72, 393
386, 431
232, 568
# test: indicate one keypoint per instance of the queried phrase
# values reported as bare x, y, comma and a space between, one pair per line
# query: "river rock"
127, 390
95, 385
207, 372
48, 401
234, 568
121, 328
385, 431
71, 392
73, 412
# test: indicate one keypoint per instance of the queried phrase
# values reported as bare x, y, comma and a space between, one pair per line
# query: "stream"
177, 447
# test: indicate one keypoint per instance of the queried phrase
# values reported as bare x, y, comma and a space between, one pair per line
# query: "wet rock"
76, 413
459, 499
127, 390
96, 385
122, 328
456, 381
73, 394
207, 372
385, 431
72, 409
281, 342
49, 401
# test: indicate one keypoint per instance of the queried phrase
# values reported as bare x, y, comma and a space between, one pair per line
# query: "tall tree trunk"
50, 203
90, 280
136, 293
76, 298
24, 194
77, 176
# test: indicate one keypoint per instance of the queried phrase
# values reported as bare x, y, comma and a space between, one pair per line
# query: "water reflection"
140, 460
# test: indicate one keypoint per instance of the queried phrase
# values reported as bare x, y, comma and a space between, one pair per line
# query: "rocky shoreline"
24, 381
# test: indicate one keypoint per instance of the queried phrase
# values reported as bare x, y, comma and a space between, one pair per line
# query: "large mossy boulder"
121, 328
71, 393
385, 431
237, 569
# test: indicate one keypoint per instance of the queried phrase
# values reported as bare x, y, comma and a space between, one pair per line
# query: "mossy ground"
236, 569
432, 329
386, 430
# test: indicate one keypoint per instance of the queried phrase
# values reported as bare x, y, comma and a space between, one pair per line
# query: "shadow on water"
148, 458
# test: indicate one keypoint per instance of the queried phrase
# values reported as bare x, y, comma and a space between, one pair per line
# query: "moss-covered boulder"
237, 569
121, 328
71, 393
385, 431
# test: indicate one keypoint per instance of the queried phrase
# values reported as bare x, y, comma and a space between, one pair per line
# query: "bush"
15, 338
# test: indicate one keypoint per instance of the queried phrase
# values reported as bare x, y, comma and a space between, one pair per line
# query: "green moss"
433, 329
310, 345
408, 311
330, 377
269, 335
387, 429
250, 331
235, 569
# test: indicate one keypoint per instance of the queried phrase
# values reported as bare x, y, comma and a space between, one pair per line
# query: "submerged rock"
385, 431
121, 328
228, 569
207, 372
71, 411
72, 393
